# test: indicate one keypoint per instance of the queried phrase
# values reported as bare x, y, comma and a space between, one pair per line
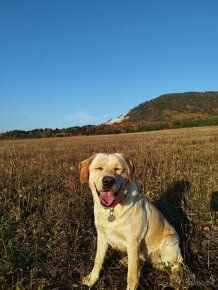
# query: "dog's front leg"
102, 246
133, 267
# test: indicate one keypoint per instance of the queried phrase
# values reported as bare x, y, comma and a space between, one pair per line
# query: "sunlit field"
47, 233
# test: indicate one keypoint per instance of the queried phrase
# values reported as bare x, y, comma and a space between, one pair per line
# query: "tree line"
107, 129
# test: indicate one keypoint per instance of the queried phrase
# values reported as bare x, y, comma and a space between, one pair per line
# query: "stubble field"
47, 233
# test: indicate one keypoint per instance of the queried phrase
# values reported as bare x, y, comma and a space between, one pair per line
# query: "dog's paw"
89, 280
132, 284
131, 287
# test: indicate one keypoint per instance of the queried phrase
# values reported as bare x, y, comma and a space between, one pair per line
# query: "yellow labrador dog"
126, 220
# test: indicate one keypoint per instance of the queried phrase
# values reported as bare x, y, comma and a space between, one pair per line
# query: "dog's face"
107, 175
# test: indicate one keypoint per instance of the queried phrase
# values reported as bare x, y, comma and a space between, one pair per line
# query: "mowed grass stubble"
47, 233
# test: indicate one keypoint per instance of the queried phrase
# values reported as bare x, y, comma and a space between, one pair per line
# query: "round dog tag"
111, 218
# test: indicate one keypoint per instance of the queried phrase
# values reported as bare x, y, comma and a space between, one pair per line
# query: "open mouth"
107, 197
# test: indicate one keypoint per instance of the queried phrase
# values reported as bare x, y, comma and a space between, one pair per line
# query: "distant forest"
179, 110
107, 129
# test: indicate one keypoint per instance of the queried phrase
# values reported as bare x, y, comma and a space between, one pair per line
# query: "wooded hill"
178, 106
177, 110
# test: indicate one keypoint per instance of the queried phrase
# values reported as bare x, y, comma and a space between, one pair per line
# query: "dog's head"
107, 175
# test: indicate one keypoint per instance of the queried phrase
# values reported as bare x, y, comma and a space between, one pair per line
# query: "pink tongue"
107, 197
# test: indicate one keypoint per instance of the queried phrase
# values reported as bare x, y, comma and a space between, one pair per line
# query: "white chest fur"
124, 228
117, 234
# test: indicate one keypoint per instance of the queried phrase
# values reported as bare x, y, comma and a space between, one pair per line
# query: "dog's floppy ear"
84, 169
130, 169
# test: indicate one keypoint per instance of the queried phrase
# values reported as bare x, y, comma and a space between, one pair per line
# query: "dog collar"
111, 217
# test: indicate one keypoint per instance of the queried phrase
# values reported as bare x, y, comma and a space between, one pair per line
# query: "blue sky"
77, 62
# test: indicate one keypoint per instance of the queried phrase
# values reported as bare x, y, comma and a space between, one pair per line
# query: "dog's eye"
99, 168
117, 169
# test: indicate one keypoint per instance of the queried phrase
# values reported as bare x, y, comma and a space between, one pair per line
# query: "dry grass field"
47, 234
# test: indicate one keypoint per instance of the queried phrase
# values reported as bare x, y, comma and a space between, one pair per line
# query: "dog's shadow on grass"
214, 201
171, 205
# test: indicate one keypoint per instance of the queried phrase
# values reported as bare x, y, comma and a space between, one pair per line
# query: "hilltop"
172, 107
178, 110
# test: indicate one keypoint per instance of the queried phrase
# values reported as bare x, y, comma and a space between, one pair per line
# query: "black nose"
108, 181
